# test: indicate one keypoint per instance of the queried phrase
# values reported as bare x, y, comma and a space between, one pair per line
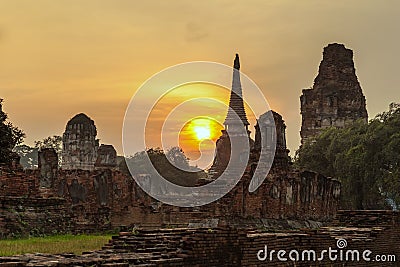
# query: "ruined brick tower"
236, 105
261, 144
106, 157
236, 124
336, 99
80, 145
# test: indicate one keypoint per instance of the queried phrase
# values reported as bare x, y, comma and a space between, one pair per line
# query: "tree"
10, 136
164, 164
364, 157
29, 155
55, 142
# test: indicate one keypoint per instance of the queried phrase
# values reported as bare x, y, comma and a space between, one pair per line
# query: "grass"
53, 244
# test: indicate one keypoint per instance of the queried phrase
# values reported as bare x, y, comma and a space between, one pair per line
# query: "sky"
60, 58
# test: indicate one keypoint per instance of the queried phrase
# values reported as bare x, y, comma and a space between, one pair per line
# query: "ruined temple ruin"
81, 148
376, 231
236, 122
48, 166
336, 98
270, 127
281, 159
106, 157
80, 144
88, 193
286, 212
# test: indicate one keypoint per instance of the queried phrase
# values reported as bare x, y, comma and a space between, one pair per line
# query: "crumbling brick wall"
18, 183
23, 216
336, 98
105, 199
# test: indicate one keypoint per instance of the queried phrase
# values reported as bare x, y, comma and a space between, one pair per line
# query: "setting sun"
202, 132
202, 129
199, 134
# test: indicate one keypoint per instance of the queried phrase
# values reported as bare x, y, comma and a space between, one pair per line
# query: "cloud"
195, 32
1, 34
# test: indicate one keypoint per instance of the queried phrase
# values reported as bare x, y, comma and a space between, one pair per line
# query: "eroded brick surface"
106, 199
226, 246
336, 98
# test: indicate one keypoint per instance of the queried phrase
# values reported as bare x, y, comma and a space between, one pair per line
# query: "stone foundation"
108, 199
234, 247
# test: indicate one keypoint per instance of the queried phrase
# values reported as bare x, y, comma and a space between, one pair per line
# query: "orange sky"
60, 58
179, 115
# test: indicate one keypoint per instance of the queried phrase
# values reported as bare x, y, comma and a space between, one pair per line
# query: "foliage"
364, 157
172, 165
55, 142
53, 244
10, 136
29, 156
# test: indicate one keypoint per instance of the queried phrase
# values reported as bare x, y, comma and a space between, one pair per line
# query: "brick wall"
226, 246
21, 216
18, 184
106, 199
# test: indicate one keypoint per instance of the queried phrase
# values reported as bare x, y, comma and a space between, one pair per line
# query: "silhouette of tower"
336, 98
236, 129
80, 145
236, 105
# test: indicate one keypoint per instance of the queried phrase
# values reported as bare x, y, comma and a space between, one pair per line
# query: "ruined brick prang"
236, 106
48, 166
80, 144
81, 149
336, 99
236, 124
106, 157
261, 145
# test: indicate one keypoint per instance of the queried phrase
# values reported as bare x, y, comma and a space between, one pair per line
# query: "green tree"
10, 136
29, 156
364, 157
164, 163
55, 142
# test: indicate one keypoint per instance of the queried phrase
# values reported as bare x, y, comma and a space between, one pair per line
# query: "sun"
198, 136
202, 132
201, 129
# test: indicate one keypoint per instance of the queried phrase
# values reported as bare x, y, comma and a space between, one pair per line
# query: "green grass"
53, 244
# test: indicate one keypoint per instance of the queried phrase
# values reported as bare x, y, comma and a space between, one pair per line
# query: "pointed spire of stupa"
236, 100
